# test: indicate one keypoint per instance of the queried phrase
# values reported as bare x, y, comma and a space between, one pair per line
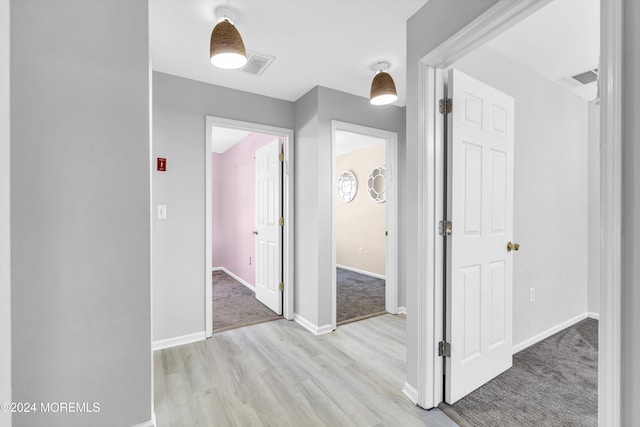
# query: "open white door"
480, 268
268, 231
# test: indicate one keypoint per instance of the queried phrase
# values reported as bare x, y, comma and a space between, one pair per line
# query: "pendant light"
227, 48
383, 89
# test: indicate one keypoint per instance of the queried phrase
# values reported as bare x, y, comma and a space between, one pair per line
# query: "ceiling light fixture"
383, 89
227, 48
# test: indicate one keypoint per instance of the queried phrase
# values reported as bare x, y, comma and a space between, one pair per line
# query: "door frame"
391, 161
498, 18
287, 211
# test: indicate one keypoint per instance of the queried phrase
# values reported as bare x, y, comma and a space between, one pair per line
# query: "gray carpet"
552, 383
358, 296
234, 305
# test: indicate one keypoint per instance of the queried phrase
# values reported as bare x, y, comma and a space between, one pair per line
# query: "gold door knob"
512, 246
255, 232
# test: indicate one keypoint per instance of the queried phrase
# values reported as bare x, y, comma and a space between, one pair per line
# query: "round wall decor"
376, 185
347, 186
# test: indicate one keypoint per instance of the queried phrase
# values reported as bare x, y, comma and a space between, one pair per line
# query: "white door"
480, 272
268, 233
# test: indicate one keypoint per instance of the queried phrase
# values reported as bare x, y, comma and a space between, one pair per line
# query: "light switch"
162, 211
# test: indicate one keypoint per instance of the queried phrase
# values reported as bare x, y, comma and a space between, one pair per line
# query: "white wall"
630, 292
179, 109
5, 243
436, 21
80, 220
550, 193
594, 208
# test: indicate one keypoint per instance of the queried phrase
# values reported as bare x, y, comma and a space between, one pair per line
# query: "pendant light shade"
227, 48
383, 89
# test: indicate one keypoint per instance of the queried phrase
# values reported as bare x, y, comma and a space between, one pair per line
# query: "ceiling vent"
586, 77
257, 63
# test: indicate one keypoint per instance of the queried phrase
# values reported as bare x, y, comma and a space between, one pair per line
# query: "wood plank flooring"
279, 374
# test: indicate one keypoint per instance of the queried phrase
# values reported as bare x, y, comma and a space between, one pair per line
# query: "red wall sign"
162, 164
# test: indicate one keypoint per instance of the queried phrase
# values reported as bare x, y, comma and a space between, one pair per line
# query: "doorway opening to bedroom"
247, 192
364, 222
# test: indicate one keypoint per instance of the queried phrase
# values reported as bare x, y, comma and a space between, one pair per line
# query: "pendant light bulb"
383, 89
227, 49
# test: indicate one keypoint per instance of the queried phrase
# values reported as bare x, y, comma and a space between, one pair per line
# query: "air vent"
257, 63
586, 77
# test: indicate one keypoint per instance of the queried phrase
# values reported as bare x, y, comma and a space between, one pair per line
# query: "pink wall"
233, 209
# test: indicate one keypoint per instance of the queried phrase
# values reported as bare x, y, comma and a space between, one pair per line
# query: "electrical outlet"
249, 260
162, 211
532, 294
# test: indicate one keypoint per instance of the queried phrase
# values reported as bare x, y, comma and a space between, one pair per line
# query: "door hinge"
446, 106
445, 228
281, 222
444, 349
281, 157
281, 286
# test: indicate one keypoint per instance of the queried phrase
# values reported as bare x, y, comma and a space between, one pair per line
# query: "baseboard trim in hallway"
179, 340
315, 330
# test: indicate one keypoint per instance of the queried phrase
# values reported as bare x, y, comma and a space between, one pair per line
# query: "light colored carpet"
359, 296
234, 305
552, 383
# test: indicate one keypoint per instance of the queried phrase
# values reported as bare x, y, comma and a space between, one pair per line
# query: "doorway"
249, 223
440, 58
364, 231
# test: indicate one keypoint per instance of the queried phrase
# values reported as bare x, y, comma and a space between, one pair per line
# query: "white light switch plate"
162, 211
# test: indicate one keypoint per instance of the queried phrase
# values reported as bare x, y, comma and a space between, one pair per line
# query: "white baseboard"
150, 423
592, 315
411, 393
315, 330
176, 341
546, 334
402, 310
366, 273
235, 276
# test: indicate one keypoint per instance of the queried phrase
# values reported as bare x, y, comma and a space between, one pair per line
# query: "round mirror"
347, 186
376, 185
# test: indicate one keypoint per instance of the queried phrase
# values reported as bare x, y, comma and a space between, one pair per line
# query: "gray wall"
630, 294
436, 21
594, 208
179, 109
80, 252
550, 209
307, 228
5, 244
314, 185
336, 105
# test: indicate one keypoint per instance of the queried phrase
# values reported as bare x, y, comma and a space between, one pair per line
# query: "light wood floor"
279, 374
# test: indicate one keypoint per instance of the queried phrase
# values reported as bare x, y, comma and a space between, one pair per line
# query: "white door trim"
609, 325
497, 19
287, 208
391, 138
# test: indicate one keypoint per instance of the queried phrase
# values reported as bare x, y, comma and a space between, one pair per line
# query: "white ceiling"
348, 142
222, 138
334, 43
331, 43
558, 41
